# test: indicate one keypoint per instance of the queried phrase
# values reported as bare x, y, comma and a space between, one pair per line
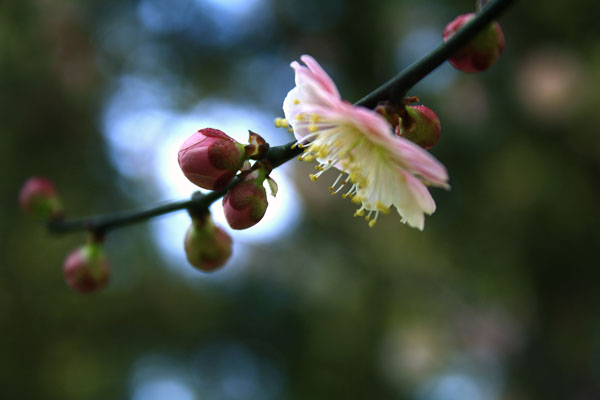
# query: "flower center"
365, 167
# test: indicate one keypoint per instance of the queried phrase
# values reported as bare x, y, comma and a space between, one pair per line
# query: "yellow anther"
331, 188
356, 200
291, 130
278, 122
367, 217
382, 208
313, 177
344, 196
356, 214
312, 128
315, 118
372, 223
360, 213
319, 168
308, 158
300, 117
296, 101
300, 158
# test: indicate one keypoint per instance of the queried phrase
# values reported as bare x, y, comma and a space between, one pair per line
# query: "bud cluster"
211, 159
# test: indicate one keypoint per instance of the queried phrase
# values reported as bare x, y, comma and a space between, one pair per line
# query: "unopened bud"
422, 126
246, 203
210, 159
207, 246
38, 198
86, 268
482, 51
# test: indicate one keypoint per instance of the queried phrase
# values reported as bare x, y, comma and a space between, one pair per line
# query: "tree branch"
393, 90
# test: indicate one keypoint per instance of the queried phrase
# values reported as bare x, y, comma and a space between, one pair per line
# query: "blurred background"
497, 299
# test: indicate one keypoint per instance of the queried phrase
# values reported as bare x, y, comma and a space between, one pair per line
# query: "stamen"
360, 212
357, 199
374, 220
350, 192
336, 181
308, 138
338, 189
382, 207
296, 101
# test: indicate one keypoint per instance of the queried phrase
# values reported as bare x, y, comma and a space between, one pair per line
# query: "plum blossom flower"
378, 169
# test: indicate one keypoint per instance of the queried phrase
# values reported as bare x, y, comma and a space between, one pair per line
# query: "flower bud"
207, 246
38, 198
482, 51
86, 269
246, 203
423, 127
210, 159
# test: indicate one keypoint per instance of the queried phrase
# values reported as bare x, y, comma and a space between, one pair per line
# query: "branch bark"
393, 90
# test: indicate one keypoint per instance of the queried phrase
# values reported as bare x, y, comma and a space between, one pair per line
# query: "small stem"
393, 90
397, 87
100, 224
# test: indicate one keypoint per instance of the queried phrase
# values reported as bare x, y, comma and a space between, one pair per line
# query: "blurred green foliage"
496, 299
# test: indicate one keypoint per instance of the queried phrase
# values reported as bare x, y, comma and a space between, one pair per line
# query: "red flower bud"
246, 203
86, 269
423, 126
481, 52
38, 197
207, 246
210, 159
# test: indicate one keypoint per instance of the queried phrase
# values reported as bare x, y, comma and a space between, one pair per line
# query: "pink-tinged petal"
290, 108
320, 75
372, 124
420, 193
417, 160
414, 218
310, 92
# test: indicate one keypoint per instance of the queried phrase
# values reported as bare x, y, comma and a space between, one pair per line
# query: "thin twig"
393, 90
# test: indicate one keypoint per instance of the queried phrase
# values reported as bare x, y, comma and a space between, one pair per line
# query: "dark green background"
496, 299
